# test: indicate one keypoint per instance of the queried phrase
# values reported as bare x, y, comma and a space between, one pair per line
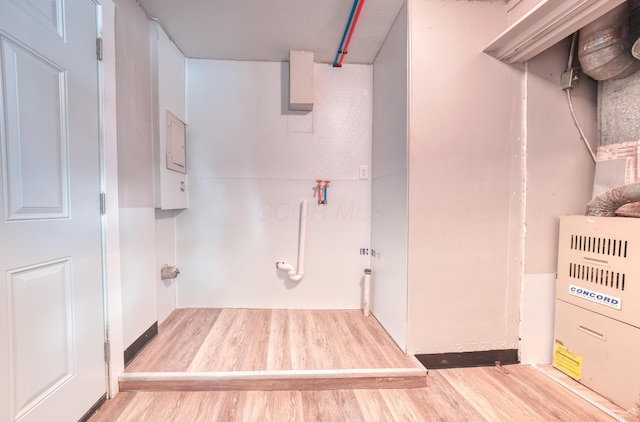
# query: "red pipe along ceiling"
348, 32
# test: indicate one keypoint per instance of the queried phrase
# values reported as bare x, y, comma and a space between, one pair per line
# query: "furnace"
597, 322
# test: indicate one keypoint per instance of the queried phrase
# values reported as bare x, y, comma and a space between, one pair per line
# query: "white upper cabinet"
169, 130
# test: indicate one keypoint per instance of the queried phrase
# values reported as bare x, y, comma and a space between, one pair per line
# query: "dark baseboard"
469, 359
139, 343
94, 408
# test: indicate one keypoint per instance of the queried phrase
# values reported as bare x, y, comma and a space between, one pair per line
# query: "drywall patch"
300, 122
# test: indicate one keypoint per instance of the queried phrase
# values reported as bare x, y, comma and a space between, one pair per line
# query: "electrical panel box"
597, 321
176, 144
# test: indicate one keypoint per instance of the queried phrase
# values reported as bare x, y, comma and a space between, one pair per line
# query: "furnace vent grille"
598, 276
599, 245
601, 257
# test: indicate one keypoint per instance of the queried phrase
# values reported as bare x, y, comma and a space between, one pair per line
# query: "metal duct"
604, 49
607, 203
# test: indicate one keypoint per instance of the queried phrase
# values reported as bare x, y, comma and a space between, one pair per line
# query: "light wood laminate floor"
205, 340
507, 393
193, 340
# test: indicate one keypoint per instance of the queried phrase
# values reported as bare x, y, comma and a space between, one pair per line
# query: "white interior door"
51, 306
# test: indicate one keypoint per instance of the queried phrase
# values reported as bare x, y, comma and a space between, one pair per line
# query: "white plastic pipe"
367, 292
293, 274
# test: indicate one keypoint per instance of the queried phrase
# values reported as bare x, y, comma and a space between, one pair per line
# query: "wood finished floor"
507, 393
194, 340
207, 340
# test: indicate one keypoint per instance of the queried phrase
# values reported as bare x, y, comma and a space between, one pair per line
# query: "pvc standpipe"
291, 271
367, 292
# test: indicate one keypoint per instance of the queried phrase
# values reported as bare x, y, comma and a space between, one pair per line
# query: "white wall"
559, 182
135, 176
251, 162
133, 62
389, 223
560, 169
494, 160
138, 264
150, 79
461, 295
165, 255
169, 79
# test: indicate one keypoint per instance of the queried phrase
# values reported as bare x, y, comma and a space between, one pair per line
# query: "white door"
51, 308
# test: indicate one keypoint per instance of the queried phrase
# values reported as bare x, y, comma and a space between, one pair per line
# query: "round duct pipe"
635, 49
607, 203
604, 49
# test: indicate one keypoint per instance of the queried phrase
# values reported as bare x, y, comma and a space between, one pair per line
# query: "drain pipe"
606, 203
293, 274
367, 292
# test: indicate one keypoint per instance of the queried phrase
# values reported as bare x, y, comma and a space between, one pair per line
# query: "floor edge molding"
332, 379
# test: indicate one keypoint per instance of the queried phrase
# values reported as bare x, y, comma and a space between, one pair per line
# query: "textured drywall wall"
558, 182
138, 265
165, 237
559, 167
251, 163
461, 295
389, 218
133, 61
135, 176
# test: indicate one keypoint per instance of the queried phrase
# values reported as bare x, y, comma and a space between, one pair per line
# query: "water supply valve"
321, 188
324, 190
169, 272
319, 191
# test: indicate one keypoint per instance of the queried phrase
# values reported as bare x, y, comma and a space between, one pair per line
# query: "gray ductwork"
604, 48
607, 203
605, 53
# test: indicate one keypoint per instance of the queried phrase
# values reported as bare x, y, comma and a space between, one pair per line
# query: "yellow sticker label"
567, 362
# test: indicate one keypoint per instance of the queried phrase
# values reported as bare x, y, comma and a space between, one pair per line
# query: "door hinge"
107, 352
99, 48
103, 203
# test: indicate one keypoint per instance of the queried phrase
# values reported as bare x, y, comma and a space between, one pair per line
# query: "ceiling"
266, 30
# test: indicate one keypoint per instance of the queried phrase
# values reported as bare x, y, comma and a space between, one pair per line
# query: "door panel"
51, 305
36, 145
40, 300
50, 13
